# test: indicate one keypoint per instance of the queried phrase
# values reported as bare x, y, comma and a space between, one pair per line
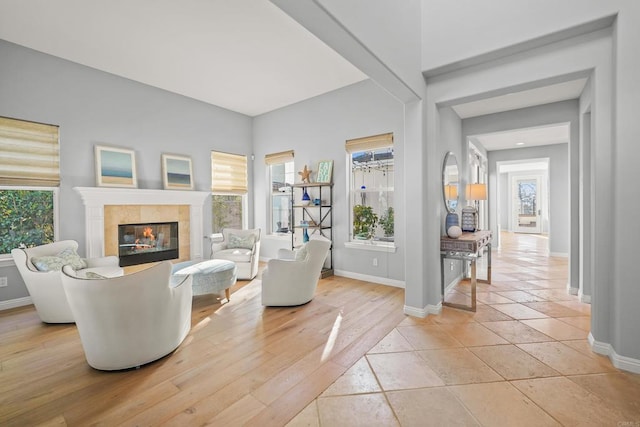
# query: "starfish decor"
305, 174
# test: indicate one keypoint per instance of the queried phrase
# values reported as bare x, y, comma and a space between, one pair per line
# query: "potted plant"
364, 222
387, 222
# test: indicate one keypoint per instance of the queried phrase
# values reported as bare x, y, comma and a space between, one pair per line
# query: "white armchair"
45, 284
127, 321
240, 246
292, 278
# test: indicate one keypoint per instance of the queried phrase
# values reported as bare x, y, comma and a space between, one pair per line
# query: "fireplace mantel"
95, 199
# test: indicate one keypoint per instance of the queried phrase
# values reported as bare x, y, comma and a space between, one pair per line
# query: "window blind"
282, 157
228, 173
369, 143
29, 153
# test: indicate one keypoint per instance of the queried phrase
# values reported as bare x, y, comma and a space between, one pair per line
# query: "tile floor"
522, 359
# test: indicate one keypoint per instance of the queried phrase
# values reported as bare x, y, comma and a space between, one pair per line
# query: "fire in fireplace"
148, 242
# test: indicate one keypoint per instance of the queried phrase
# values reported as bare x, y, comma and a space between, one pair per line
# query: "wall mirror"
450, 182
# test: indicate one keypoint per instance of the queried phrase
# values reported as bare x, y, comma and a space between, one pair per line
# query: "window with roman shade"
281, 175
29, 184
371, 189
229, 187
30, 155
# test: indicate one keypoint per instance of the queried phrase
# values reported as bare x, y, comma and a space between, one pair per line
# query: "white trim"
621, 362
423, 312
14, 303
559, 254
572, 291
369, 245
7, 261
584, 298
372, 279
95, 199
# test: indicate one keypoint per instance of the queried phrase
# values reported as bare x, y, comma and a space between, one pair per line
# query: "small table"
209, 276
467, 247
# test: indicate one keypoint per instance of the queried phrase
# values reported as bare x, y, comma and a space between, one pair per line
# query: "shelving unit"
318, 216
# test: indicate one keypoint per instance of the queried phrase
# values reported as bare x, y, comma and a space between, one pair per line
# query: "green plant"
364, 222
387, 222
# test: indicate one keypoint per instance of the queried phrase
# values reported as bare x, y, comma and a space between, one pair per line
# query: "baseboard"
621, 362
372, 279
584, 298
559, 254
572, 291
423, 312
14, 303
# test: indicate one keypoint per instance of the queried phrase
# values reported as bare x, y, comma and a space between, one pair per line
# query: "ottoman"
211, 276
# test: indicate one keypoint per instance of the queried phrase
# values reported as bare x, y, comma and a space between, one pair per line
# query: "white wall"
316, 129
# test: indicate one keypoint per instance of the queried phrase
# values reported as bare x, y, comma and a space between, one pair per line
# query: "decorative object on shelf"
451, 220
305, 174
364, 222
305, 235
454, 232
115, 167
325, 169
177, 172
474, 192
305, 198
316, 202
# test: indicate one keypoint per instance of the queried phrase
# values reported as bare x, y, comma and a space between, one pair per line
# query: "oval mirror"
450, 182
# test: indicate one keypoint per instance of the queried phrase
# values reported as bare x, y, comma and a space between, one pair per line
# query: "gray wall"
92, 107
316, 129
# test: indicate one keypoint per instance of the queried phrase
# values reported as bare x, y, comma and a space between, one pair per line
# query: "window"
371, 189
281, 176
29, 180
229, 190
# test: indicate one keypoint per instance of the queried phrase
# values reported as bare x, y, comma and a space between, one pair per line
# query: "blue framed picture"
177, 172
115, 167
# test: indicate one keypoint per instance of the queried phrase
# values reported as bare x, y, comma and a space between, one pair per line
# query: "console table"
467, 247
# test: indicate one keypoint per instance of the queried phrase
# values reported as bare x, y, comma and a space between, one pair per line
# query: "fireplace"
147, 242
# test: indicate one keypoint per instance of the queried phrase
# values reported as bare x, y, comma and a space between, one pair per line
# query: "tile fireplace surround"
96, 198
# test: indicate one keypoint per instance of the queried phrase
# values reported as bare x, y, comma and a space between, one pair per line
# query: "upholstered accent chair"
240, 246
292, 278
131, 320
40, 270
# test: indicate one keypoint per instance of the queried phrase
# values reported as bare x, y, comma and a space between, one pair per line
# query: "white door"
525, 204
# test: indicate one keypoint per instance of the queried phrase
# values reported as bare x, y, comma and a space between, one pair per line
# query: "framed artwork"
177, 172
325, 169
115, 167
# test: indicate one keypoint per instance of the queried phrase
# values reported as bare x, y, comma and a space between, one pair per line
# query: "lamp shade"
476, 192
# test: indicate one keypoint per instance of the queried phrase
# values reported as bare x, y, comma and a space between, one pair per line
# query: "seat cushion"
235, 255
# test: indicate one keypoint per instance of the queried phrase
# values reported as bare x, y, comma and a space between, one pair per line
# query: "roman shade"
281, 157
369, 143
228, 173
29, 153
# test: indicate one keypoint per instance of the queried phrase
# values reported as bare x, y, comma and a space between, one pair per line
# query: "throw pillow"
242, 242
55, 263
301, 254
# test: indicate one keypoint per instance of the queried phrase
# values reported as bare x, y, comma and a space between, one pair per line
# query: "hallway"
522, 359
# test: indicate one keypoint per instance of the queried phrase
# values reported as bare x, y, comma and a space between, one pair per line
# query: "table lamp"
474, 192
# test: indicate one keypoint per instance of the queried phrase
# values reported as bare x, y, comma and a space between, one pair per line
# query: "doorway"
526, 203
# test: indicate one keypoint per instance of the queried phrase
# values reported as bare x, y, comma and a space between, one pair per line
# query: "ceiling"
521, 138
243, 55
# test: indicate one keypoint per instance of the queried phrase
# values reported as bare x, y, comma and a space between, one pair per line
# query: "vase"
451, 220
305, 236
305, 197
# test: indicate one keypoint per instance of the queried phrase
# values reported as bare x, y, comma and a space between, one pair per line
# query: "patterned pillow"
55, 263
242, 242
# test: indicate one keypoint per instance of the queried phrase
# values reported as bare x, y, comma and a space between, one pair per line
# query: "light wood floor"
241, 362
350, 357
